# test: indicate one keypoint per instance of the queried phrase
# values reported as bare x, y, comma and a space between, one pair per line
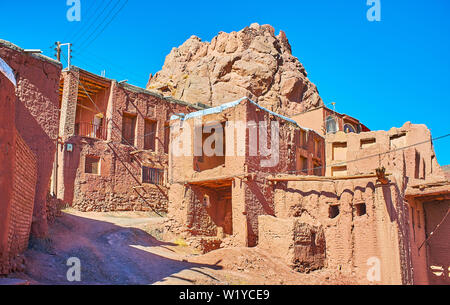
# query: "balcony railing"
86, 129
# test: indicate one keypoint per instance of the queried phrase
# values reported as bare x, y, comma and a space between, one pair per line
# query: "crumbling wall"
251, 195
396, 150
37, 116
353, 234
301, 245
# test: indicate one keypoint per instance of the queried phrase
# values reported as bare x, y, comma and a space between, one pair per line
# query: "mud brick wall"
353, 235
24, 184
114, 188
19, 210
7, 163
37, 117
301, 245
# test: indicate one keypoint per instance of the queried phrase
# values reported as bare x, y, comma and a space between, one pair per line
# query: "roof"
169, 99
233, 104
12, 46
137, 89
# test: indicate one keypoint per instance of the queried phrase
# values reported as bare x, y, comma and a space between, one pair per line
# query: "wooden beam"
432, 184
219, 178
319, 178
87, 108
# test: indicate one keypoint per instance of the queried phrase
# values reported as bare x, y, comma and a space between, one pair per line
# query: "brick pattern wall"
24, 186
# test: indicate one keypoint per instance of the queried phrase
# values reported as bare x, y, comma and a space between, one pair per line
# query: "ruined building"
221, 195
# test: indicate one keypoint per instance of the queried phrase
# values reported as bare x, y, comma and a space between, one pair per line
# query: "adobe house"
36, 120
113, 147
327, 121
218, 164
382, 197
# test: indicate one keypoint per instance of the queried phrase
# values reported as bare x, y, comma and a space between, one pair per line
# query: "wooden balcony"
89, 130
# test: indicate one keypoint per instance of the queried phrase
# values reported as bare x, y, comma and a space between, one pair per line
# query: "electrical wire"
304, 170
84, 45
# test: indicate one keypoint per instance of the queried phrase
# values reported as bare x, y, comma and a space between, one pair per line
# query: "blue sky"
383, 73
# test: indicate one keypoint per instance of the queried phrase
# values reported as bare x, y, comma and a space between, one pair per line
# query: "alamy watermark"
374, 11
74, 272
74, 11
374, 272
228, 139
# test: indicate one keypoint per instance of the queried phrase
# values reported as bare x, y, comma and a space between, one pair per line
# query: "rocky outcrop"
252, 62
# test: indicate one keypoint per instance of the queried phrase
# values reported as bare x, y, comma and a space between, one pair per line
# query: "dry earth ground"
130, 248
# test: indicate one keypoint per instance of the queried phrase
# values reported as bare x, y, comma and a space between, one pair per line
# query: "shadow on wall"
109, 254
389, 204
43, 147
261, 206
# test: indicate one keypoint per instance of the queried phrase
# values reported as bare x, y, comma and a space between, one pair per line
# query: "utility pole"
58, 51
69, 52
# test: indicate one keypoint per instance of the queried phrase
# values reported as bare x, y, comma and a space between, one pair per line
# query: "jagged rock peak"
252, 62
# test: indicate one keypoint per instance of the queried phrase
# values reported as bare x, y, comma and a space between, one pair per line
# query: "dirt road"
127, 248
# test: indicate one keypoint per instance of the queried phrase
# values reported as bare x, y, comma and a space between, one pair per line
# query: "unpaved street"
128, 248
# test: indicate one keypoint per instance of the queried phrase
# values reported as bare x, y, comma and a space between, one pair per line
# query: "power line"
373, 156
104, 28
90, 24
90, 9
297, 171
118, 69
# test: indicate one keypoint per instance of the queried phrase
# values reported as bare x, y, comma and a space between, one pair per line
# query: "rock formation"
252, 62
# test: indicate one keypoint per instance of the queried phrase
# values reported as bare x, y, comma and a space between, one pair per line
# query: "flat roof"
221, 108
137, 89
12, 46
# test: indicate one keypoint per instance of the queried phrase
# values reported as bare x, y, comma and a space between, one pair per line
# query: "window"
333, 211
331, 125
303, 139
128, 129
339, 151
92, 165
317, 169
213, 147
166, 138
150, 135
348, 128
317, 148
360, 209
152, 175
397, 141
339, 171
368, 142
304, 165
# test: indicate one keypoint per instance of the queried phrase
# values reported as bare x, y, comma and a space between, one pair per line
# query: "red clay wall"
7, 164
24, 184
115, 189
251, 197
438, 246
352, 239
37, 117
